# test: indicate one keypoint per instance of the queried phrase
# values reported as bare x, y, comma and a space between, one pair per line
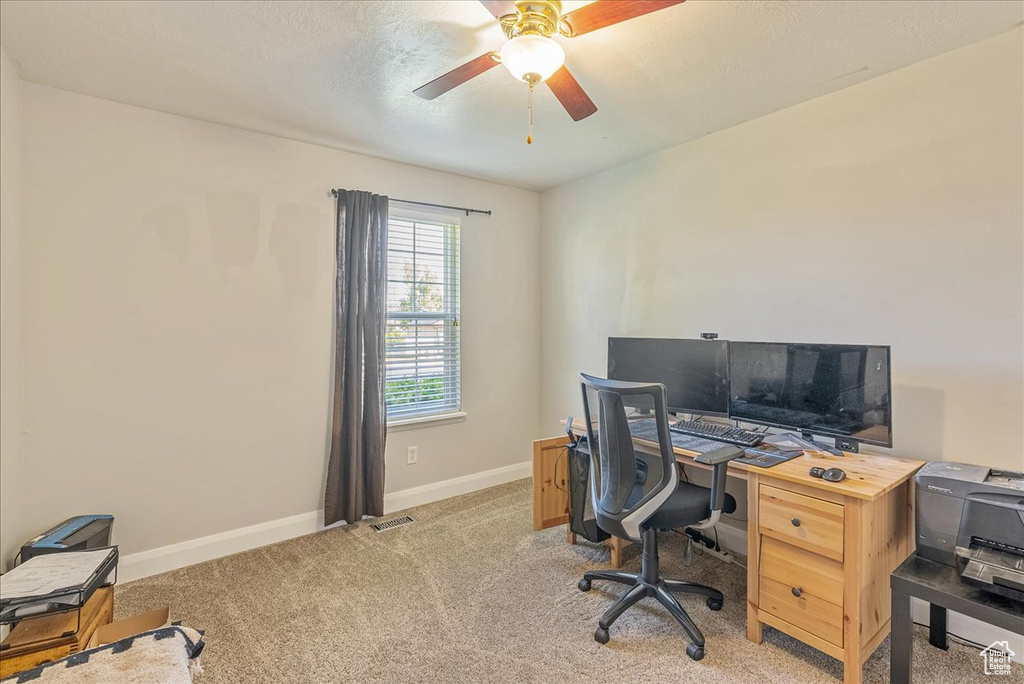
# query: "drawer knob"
796, 522
797, 591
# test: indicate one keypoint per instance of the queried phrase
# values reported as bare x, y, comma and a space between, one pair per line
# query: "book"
788, 440
767, 449
53, 582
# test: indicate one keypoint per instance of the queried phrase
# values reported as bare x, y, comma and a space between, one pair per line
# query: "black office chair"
635, 497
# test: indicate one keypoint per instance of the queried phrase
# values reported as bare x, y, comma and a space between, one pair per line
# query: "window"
422, 342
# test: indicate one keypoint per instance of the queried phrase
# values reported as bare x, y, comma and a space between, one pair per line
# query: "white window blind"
422, 356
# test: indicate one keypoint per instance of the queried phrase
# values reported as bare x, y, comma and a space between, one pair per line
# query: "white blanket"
168, 655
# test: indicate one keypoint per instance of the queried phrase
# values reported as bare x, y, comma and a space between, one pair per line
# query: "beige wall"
12, 379
888, 213
179, 320
178, 288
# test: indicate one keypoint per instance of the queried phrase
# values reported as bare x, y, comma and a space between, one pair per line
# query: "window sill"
426, 421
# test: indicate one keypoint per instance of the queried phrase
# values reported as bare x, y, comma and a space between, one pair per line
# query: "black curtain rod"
430, 204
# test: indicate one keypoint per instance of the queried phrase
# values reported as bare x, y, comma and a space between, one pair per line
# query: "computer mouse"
834, 475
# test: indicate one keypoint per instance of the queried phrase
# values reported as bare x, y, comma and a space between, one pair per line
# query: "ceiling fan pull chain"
529, 107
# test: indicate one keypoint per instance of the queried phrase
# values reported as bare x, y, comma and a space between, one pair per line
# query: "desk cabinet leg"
902, 645
937, 627
853, 671
753, 625
616, 545
753, 559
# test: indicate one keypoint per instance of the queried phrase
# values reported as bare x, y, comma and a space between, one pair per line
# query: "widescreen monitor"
695, 372
838, 390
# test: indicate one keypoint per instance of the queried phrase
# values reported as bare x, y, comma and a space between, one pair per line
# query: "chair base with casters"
650, 583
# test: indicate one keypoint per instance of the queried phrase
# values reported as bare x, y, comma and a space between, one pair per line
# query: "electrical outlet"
411, 455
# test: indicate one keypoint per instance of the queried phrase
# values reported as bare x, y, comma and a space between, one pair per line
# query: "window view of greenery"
422, 336
425, 295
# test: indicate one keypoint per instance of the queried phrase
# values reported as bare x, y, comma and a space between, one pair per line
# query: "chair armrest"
719, 460
720, 455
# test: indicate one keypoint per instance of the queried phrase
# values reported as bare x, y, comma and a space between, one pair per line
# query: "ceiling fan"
533, 56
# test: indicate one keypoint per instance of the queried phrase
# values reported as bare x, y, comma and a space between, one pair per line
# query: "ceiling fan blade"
457, 76
571, 95
499, 8
603, 13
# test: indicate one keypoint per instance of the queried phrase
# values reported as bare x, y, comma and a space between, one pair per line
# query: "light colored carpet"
469, 593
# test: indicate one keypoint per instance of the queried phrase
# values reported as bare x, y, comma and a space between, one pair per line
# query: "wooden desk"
819, 553
35, 641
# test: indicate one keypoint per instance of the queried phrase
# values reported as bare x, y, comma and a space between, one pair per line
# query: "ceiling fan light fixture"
532, 58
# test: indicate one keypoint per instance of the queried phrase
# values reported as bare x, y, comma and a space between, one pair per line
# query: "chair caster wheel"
693, 650
584, 585
601, 637
714, 604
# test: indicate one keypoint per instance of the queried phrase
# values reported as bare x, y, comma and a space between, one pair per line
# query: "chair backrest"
626, 490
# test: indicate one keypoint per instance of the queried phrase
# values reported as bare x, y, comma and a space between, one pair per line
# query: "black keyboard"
717, 432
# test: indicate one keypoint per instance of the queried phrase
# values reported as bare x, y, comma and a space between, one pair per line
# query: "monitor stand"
842, 443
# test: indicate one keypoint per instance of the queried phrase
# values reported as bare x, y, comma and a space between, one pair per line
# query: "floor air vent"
392, 524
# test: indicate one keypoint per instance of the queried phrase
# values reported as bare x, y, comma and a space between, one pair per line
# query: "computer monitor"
694, 372
840, 390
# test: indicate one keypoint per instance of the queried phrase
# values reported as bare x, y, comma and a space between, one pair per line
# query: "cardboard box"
136, 624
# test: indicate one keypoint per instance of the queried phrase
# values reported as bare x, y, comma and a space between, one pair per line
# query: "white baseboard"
135, 566
154, 561
417, 496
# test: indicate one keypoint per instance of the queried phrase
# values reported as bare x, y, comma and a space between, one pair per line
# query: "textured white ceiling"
342, 73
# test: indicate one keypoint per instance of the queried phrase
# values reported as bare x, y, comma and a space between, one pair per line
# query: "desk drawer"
806, 611
804, 521
812, 575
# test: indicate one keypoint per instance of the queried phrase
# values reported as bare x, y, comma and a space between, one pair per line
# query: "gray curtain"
355, 471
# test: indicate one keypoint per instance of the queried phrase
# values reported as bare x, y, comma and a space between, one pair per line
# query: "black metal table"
941, 587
